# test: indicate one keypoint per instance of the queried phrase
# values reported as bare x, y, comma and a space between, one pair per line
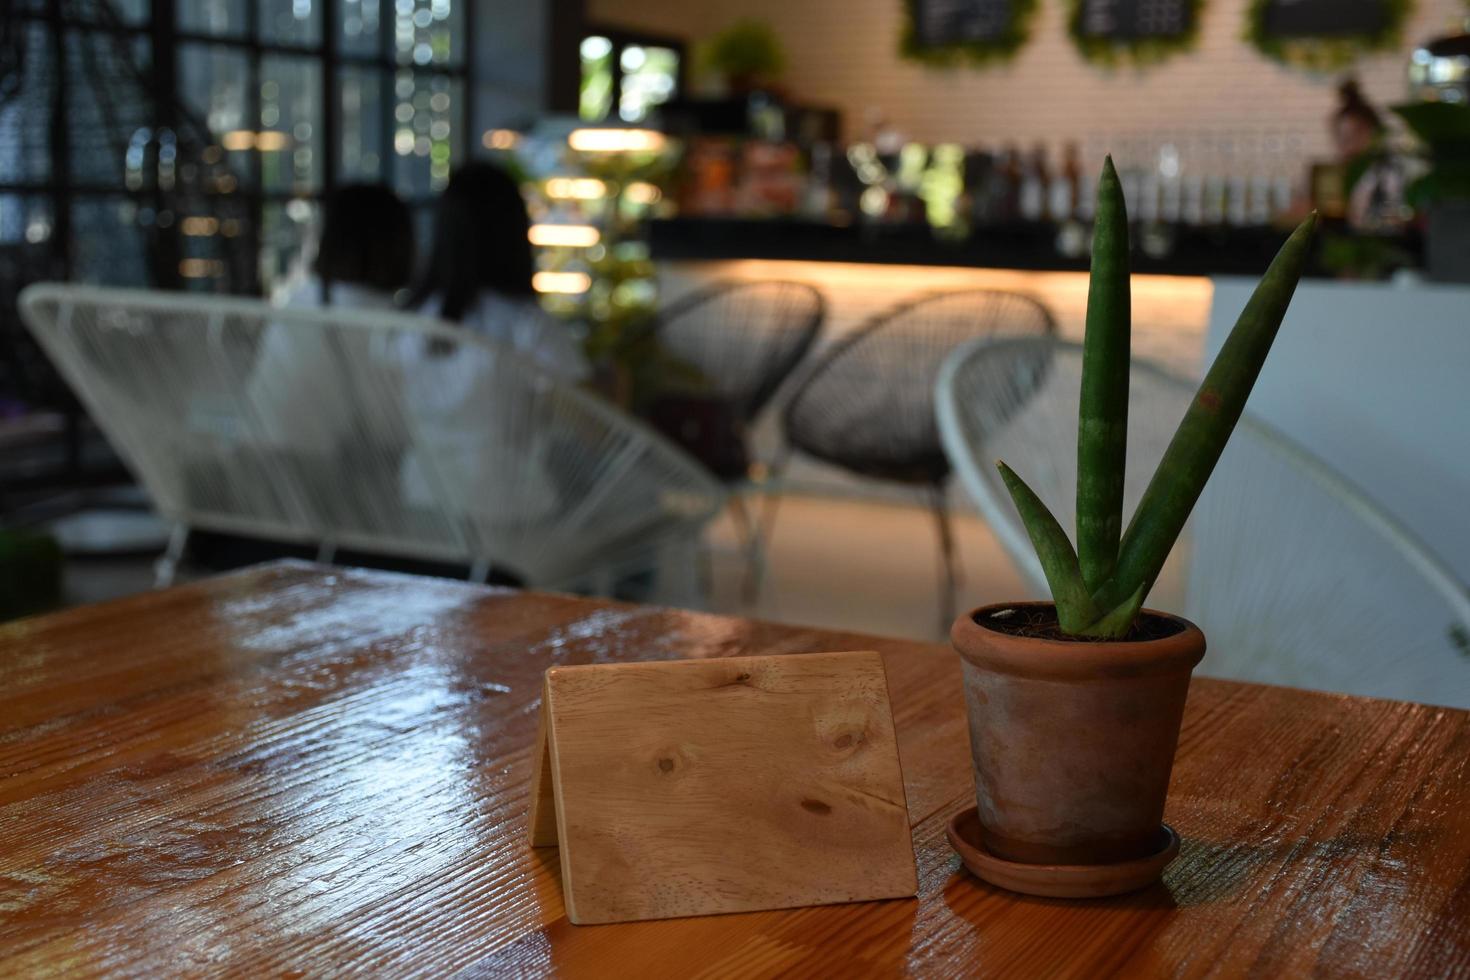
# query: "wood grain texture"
702, 787
297, 770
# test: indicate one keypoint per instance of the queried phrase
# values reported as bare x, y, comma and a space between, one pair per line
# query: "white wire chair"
381, 432
1295, 577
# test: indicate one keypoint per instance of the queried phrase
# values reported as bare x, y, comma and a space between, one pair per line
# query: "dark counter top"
1179, 251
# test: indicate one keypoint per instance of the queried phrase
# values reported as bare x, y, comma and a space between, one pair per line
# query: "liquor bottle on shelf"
1035, 181
1066, 184
1192, 202
1006, 187
1171, 188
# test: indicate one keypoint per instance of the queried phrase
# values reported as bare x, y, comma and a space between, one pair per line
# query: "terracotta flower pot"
1073, 741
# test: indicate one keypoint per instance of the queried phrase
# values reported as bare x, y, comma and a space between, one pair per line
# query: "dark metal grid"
166, 40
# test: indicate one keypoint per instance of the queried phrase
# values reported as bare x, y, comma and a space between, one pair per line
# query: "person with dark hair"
479, 277
1374, 179
364, 257
479, 272
365, 254
1356, 126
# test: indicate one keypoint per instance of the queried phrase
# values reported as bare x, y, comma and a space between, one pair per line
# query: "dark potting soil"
1040, 622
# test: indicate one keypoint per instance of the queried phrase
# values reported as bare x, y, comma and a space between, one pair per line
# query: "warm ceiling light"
575, 188
500, 139
238, 139
198, 225
642, 192
201, 268
615, 140
561, 282
268, 141
566, 236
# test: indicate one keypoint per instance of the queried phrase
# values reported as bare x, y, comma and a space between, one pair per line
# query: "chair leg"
167, 565
746, 531
948, 570
680, 573
766, 523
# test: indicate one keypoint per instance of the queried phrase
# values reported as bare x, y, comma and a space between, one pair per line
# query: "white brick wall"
844, 53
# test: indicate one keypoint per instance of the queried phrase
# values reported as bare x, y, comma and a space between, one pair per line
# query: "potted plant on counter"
1075, 704
746, 56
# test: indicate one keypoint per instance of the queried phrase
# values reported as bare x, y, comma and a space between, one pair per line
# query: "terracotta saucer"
1058, 880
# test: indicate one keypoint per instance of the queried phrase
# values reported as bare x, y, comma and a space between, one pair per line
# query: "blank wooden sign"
694, 787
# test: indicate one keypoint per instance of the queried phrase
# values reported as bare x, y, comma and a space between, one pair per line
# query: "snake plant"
1099, 588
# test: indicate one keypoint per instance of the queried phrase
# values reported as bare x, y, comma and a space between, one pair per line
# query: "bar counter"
1159, 250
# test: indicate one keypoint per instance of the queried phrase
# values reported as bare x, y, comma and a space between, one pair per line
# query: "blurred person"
1356, 126
472, 446
1373, 176
364, 258
365, 255
308, 423
479, 272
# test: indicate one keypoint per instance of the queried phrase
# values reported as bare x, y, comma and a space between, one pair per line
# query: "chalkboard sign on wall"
1138, 32
1324, 18
941, 22
975, 32
1129, 20
1325, 35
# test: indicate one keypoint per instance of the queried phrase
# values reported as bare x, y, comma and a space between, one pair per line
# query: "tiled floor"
846, 562
866, 565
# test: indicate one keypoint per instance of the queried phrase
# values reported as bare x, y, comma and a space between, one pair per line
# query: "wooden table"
298, 770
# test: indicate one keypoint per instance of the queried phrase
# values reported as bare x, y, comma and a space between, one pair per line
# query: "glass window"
215, 82
218, 18
213, 241
25, 219
25, 147
290, 136
290, 21
597, 79
426, 143
361, 143
109, 113
286, 239
222, 196
133, 13
650, 76
428, 33
110, 240
358, 22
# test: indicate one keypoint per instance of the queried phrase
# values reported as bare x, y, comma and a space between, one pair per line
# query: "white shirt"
497, 466
296, 389
522, 324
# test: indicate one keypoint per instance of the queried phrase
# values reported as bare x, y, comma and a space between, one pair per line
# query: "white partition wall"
1375, 380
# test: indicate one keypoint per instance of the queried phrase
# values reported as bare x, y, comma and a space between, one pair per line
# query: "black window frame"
621, 38
62, 192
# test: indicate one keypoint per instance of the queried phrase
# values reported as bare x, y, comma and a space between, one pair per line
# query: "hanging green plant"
1135, 49
995, 47
1326, 52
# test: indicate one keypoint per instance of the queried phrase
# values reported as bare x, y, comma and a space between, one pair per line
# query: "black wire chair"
867, 406
744, 337
742, 340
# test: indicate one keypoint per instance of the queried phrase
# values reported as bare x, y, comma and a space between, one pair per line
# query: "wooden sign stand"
695, 787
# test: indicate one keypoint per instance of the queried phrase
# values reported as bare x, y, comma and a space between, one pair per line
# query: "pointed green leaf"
1202, 435
1102, 417
1075, 608
1115, 625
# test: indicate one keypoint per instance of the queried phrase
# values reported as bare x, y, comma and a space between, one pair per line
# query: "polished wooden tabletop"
298, 770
